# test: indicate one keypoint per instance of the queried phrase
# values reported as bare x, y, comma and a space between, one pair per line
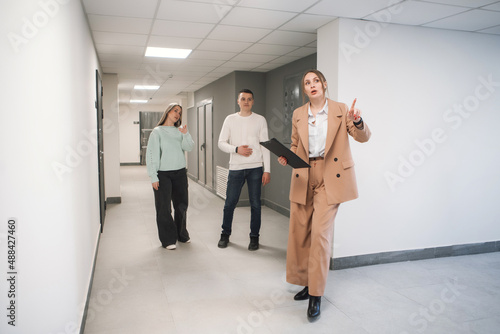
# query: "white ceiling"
249, 35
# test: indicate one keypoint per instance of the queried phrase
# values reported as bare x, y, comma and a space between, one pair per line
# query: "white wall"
130, 151
190, 100
329, 55
48, 168
111, 135
129, 132
428, 176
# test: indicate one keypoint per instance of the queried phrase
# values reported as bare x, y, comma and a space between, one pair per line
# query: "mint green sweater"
165, 152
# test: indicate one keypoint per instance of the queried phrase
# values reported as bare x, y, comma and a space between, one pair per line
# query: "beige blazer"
339, 178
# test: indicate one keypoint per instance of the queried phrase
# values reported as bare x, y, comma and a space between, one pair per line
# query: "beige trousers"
310, 235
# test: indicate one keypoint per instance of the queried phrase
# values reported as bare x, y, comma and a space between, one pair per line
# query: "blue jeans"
235, 182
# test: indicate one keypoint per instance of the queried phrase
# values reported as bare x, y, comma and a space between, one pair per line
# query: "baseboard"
113, 200
243, 203
85, 311
413, 255
276, 207
391, 257
130, 164
246, 202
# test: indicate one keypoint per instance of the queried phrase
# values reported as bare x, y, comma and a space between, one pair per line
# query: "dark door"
100, 148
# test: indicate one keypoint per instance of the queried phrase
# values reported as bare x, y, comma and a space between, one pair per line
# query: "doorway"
205, 144
100, 147
147, 122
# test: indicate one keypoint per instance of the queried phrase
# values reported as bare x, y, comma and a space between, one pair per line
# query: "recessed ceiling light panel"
167, 52
147, 87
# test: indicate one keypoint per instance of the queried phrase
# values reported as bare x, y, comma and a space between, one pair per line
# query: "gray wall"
276, 195
221, 92
224, 94
268, 93
256, 82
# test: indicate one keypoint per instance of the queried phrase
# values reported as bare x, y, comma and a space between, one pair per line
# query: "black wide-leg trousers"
173, 189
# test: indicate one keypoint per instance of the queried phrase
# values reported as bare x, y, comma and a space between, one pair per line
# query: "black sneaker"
254, 243
224, 240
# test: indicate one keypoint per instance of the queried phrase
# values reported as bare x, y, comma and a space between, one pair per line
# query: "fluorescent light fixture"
167, 53
144, 87
138, 101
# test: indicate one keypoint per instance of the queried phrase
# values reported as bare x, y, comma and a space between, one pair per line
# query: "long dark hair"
164, 116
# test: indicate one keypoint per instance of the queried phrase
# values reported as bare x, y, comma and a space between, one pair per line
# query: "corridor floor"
141, 288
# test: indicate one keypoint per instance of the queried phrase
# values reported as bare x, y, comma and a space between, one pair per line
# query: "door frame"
100, 148
208, 180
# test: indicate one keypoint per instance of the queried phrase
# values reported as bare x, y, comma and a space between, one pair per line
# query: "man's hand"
266, 178
156, 185
244, 150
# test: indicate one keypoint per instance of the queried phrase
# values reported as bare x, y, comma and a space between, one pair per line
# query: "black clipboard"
279, 149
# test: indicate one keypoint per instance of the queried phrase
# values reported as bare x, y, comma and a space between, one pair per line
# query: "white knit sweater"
249, 130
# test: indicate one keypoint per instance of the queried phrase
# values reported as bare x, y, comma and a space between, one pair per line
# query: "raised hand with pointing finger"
354, 114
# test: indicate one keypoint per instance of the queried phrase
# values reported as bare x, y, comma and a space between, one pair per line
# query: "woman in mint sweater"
166, 166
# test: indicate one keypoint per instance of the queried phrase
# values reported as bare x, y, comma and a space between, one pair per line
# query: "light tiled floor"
140, 287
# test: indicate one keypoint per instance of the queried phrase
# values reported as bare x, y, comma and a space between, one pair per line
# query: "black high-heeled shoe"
313, 311
302, 295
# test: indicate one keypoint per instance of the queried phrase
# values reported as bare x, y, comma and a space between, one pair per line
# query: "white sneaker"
171, 247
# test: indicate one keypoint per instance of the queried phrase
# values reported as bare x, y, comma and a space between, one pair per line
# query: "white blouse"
318, 127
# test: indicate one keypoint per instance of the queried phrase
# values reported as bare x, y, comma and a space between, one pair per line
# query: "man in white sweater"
240, 136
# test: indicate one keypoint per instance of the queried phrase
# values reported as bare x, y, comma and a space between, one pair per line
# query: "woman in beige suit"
320, 131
